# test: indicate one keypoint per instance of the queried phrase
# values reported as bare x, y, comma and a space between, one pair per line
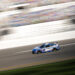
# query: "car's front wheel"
33, 52
38, 52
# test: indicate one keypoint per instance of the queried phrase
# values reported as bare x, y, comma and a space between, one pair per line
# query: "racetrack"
22, 56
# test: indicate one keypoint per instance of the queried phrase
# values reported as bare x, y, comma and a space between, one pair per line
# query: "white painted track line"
68, 44
31, 50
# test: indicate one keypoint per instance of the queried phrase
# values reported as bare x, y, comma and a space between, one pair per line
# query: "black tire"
33, 52
54, 49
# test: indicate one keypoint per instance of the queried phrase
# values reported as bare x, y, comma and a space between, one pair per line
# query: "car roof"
48, 44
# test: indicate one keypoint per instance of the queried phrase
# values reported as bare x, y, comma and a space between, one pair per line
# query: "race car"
46, 47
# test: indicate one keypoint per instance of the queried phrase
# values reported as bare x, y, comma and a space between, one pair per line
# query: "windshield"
42, 46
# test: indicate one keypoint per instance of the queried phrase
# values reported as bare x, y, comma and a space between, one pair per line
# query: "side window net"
47, 45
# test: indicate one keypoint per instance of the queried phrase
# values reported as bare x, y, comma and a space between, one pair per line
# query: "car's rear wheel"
54, 49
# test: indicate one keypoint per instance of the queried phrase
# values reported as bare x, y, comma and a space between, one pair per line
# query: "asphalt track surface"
22, 56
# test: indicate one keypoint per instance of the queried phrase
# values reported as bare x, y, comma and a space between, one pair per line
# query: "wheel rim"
38, 52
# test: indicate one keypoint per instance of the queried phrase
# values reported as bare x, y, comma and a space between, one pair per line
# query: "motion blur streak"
24, 27
10, 60
60, 46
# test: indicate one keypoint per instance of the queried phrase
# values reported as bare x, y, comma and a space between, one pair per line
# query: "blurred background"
25, 24
15, 13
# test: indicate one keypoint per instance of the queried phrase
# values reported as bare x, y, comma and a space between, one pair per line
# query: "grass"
66, 67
